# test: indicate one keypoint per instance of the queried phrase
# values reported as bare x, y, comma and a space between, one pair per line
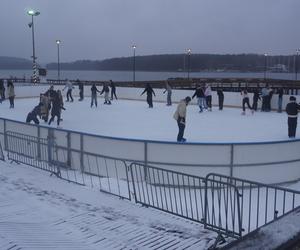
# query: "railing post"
50, 145
39, 142
69, 149
81, 153
5, 137
145, 159
231, 159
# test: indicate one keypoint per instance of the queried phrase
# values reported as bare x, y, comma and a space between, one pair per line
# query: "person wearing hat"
292, 110
180, 117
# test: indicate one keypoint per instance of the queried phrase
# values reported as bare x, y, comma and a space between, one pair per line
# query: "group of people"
10, 89
51, 102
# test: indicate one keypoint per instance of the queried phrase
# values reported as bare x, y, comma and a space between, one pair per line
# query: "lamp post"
33, 13
265, 70
296, 64
134, 48
189, 63
58, 61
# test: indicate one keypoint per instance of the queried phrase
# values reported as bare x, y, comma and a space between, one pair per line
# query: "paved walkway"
42, 212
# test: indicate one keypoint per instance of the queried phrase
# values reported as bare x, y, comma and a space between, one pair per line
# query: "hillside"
14, 63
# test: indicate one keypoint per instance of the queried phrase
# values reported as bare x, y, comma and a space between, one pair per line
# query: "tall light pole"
33, 13
296, 64
58, 61
134, 48
265, 70
189, 62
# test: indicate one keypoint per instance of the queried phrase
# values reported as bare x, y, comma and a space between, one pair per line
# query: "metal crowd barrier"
105, 173
2, 158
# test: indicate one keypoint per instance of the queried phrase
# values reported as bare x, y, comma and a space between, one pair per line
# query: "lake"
141, 75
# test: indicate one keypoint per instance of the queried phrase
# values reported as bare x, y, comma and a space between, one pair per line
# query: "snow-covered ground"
42, 212
133, 119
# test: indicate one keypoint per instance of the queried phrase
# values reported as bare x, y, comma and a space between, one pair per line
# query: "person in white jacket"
180, 117
70, 87
208, 96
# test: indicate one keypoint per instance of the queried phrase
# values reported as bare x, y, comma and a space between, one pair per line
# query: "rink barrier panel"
259, 161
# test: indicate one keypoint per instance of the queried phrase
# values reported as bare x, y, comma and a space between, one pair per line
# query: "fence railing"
108, 174
2, 158
260, 203
227, 205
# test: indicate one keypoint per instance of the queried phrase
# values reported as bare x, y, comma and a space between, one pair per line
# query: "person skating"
199, 93
46, 106
56, 108
220, 98
149, 91
256, 97
280, 95
2, 90
50, 92
11, 93
94, 91
70, 87
113, 90
169, 93
105, 90
32, 116
208, 97
245, 96
180, 117
292, 109
81, 88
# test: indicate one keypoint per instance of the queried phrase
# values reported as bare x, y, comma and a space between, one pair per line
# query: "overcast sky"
99, 29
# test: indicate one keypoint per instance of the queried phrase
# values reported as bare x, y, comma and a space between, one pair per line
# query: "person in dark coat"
149, 92
256, 97
280, 95
199, 93
2, 90
11, 93
113, 90
94, 95
81, 88
56, 108
220, 98
32, 116
245, 96
292, 109
50, 92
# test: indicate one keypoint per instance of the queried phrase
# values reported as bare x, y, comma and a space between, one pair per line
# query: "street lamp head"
265, 54
57, 42
134, 46
297, 50
189, 51
33, 13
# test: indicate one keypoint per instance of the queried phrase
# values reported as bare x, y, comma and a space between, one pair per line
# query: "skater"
113, 90
2, 89
56, 108
11, 93
244, 93
256, 97
169, 93
105, 90
269, 99
70, 87
180, 117
32, 116
149, 92
200, 98
292, 110
46, 106
220, 98
94, 95
280, 95
208, 96
81, 88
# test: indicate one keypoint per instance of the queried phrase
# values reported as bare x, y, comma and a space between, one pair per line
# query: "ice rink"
133, 119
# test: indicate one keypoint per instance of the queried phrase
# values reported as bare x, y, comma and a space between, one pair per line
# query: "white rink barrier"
232, 99
268, 162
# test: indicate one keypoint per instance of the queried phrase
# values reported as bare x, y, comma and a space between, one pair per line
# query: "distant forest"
183, 62
175, 62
